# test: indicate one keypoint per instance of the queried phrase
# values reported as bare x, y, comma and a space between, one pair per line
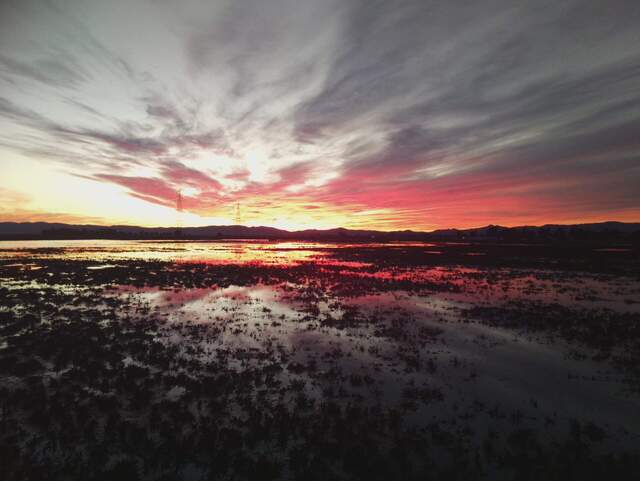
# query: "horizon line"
324, 229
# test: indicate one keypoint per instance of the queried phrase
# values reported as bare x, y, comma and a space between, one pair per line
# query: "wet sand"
265, 360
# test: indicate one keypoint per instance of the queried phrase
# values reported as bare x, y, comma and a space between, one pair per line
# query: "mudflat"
305, 360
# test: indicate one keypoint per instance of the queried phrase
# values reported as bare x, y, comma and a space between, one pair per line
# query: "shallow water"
222, 251
457, 345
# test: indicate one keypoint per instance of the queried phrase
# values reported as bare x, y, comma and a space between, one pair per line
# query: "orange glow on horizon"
351, 201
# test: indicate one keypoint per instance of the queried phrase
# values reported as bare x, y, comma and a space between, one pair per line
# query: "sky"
404, 114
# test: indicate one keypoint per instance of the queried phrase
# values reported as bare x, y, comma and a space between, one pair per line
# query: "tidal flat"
242, 360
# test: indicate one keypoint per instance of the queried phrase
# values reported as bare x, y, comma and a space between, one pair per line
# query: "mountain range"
46, 230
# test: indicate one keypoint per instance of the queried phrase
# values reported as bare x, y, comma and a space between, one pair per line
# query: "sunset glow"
387, 117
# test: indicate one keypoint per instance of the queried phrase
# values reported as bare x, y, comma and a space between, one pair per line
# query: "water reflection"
381, 335
395, 340
213, 252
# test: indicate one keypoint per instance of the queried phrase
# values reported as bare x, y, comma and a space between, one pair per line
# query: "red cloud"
149, 189
179, 173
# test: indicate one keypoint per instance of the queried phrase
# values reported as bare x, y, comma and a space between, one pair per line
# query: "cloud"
418, 113
59, 71
154, 190
15, 207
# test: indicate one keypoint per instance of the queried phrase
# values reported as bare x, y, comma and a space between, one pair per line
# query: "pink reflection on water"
211, 252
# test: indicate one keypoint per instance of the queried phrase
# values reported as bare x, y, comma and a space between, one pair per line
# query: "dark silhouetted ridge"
581, 232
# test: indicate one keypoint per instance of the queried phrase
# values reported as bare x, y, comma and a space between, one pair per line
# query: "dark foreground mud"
172, 361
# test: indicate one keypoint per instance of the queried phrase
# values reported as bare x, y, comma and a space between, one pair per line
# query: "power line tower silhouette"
179, 211
238, 219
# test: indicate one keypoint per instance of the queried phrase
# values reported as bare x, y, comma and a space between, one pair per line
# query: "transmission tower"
237, 214
179, 213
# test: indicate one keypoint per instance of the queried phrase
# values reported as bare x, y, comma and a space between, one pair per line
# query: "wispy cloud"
418, 113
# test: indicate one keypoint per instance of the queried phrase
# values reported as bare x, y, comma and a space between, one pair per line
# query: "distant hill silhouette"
583, 232
548, 231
